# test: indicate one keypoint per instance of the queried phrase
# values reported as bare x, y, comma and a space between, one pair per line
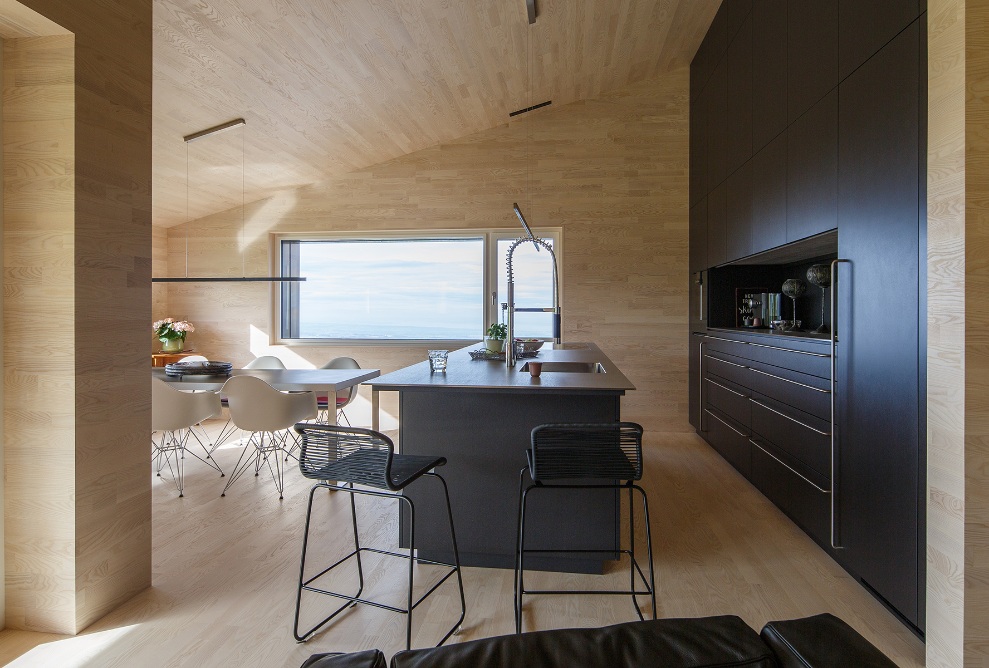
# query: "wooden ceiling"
330, 86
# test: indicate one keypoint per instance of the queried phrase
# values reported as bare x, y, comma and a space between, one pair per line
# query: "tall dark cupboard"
878, 389
829, 134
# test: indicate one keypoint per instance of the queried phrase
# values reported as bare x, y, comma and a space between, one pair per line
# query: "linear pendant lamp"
195, 136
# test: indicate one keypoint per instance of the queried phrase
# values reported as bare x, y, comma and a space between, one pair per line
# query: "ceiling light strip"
231, 279
229, 125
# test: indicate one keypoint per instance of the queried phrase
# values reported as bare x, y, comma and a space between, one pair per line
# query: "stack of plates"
198, 369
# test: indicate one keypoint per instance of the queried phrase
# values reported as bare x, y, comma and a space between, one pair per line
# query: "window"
410, 288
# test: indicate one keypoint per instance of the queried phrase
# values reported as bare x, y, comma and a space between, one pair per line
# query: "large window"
442, 287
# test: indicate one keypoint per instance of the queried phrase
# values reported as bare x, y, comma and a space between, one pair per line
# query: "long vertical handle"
835, 463
700, 385
700, 292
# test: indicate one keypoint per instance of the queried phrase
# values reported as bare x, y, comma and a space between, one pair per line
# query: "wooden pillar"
958, 316
77, 299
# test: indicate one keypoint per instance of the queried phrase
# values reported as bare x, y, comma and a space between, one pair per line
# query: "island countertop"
464, 373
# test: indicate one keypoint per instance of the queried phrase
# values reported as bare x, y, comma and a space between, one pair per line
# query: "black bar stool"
609, 452
341, 458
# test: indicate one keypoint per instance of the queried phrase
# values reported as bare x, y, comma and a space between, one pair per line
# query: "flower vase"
172, 345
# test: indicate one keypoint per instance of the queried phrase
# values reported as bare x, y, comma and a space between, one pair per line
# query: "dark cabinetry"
766, 410
864, 26
769, 61
809, 117
812, 53
812, 171
879, 377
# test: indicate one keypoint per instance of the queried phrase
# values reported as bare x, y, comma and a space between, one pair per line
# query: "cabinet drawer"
727, 400
727, 370
804, 437
736, 348
806, 393
806, 503
729, 440
815, 364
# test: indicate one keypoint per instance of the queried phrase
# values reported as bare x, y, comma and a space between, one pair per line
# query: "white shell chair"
263, 362
267, 414
342, 402
173, 415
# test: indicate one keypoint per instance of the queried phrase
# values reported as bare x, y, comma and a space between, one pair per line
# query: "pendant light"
188, 139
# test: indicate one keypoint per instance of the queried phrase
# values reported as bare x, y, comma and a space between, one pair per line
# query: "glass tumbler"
437, 360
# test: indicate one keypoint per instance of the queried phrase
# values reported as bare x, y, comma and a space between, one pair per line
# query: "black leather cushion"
665, 643
821, 641
372, 658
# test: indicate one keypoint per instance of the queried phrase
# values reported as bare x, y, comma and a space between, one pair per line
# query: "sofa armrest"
372, 658
821, 641
706, 642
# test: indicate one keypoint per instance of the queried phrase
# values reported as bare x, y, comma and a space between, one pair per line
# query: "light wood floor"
225, 571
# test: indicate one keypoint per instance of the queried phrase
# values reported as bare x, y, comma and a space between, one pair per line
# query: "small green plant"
498, 330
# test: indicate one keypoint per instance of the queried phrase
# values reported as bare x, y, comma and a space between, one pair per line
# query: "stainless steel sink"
568, 367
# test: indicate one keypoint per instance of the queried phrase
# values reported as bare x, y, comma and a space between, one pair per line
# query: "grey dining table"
326, 382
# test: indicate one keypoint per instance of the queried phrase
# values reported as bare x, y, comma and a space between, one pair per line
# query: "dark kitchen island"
479, 415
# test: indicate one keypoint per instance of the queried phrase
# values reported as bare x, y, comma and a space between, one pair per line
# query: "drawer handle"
792, 470
802, 424
789, 350
787, 380
718, 338
738, 394
718, 359
708, 411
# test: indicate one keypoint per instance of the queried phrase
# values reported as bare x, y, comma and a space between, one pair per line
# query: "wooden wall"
77, 264
958, 315
612, 172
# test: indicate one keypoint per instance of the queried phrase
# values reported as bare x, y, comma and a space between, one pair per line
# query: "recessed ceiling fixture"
188, 139
532, 108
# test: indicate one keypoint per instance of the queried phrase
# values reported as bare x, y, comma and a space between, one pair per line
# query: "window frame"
491, 311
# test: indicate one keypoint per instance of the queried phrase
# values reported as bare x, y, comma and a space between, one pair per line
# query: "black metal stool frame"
629, 484
349, 487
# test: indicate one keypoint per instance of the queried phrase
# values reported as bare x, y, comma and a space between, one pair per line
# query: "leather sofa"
822, 641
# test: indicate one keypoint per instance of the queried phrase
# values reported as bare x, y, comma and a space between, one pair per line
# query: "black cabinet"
716, 94
740, 97
769, 71
864, 26
710, 53
769, 205
880, 395
698, 149
738, 236
698, 237
717, 222
812, 171
812, 53
738, 11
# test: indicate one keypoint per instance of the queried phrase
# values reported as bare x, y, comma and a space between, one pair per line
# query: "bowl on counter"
526, 346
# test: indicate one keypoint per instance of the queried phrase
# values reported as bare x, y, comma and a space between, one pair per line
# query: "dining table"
324, 382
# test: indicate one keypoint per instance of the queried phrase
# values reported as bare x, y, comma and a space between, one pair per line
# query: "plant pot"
172, 345
494, 345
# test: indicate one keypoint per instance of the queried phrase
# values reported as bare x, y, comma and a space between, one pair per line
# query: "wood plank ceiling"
330, 86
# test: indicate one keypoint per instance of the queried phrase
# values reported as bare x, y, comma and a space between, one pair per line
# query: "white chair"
267, 414
173, 414
341, 401
263, 362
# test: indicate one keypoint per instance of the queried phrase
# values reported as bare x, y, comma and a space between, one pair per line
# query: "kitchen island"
479, 414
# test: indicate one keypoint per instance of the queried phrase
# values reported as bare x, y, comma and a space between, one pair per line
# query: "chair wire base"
306, 584
170, 449
649, 586
267, 449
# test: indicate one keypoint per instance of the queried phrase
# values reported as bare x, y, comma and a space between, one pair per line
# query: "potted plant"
172, 334
495, 337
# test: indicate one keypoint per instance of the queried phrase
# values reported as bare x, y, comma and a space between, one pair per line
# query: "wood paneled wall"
77, 299
612, 172
958, 316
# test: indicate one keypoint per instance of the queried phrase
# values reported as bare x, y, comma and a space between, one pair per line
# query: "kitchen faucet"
555, 309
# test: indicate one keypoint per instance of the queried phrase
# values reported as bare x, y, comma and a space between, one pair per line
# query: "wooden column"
958, 316
77, 298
